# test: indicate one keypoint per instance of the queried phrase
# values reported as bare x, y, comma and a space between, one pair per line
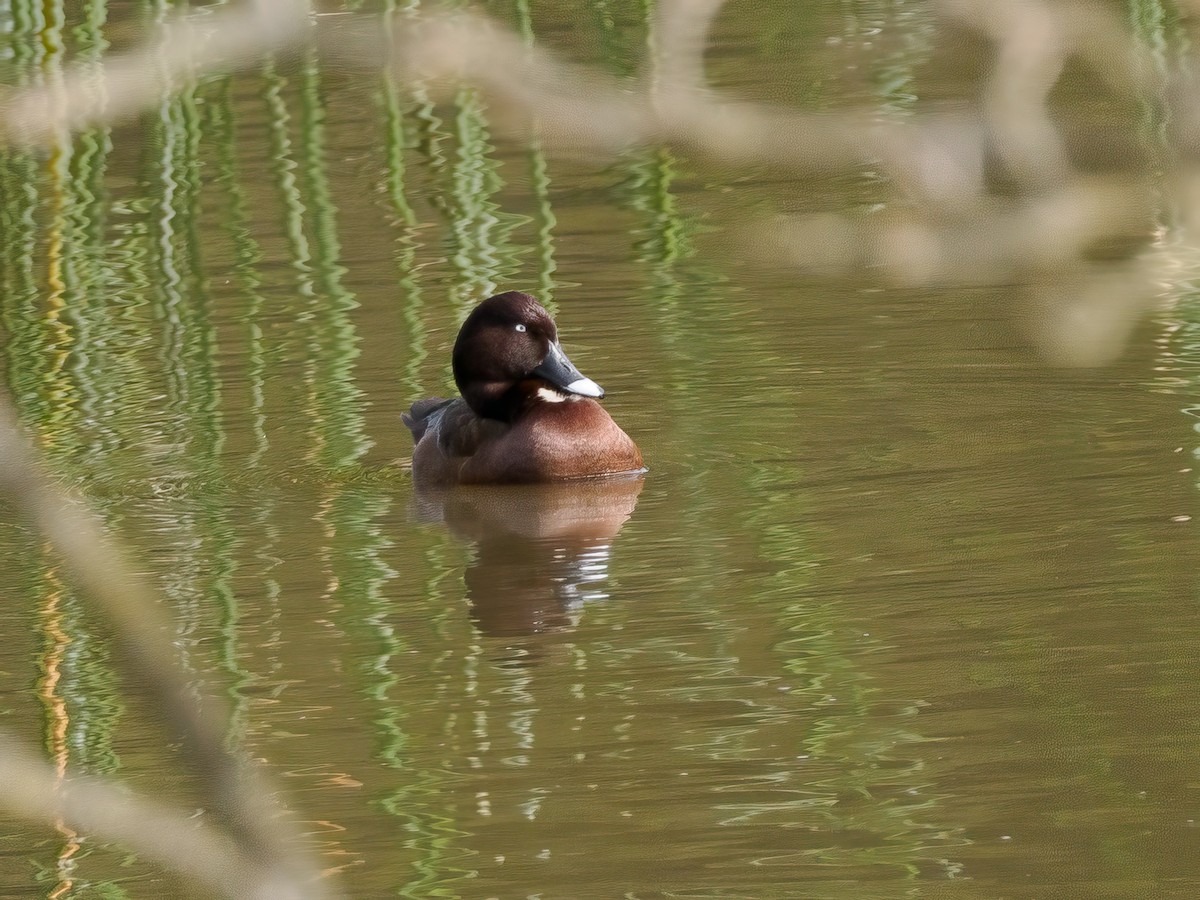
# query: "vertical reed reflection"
479, 232
539, 183
331, 397
247, 259
853, 743
617, 51
425, 783
182, 303
397, 142
21, 251
80, 694
61, 320
191, 526
94, 367
19, 254
58, 722
337, 399
662, 239
49, 229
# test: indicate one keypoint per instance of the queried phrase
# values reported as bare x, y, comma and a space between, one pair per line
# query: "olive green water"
900, 610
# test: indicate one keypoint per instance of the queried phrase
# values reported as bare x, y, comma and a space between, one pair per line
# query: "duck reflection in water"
541, 551
526, 417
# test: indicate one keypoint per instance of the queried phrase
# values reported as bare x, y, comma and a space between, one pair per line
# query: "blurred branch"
1031, 50
680, 35
241, 803
957, 231
33, 790
937, 163
1034, 41
582, 109
1008, 245
127, 83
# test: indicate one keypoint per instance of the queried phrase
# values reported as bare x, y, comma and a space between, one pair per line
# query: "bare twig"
680, 36
584, 110
236, 794
33, 790
1034, 41
127, 83
1005, 244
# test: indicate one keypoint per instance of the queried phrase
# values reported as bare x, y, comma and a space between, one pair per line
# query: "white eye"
519, 327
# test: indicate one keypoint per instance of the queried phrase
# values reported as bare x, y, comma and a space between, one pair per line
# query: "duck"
526, 414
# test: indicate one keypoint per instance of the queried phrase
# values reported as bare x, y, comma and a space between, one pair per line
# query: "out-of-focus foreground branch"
258, 856
33, 789
948, 223
125, 84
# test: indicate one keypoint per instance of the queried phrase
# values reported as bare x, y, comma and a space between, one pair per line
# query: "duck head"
507, 351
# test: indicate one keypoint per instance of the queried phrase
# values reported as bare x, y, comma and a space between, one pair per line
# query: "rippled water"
899, 610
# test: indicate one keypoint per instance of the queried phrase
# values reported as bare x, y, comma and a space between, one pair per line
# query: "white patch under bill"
550, 395
586, 387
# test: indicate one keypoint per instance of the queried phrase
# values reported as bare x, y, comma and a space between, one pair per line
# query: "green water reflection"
898, 610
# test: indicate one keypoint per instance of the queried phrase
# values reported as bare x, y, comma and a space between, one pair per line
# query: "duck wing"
422, 414
458, 429
462, 432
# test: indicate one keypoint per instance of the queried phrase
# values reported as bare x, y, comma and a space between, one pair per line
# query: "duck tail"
418, 417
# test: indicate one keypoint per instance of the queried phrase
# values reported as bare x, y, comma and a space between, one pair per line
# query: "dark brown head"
507, 350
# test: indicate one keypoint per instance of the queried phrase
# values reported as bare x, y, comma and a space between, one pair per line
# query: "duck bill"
560, 372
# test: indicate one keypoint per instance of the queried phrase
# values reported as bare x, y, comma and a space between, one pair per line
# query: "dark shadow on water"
541, 551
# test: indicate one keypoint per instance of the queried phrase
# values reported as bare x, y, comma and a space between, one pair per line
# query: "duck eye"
519, 327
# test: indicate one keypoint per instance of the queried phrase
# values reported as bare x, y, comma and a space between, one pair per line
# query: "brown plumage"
526, 413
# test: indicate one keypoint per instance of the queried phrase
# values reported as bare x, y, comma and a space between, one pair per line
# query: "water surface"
901, 609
